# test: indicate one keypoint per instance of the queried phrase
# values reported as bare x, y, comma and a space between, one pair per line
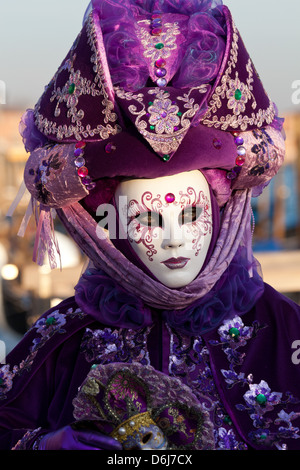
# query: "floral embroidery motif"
259, 399
164, 116
45, 327
233, 335
75, 87
189, 360
108, 345
167, 38
237, 94
161, 117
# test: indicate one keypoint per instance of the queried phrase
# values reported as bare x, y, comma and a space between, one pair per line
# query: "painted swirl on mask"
143, 233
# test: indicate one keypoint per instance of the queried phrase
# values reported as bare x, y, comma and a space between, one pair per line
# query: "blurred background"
35, 37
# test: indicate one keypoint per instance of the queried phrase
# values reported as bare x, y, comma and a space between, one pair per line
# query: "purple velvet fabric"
54, 365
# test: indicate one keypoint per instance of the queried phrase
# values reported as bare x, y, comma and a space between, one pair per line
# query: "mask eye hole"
150, 219
189, 215
147, 437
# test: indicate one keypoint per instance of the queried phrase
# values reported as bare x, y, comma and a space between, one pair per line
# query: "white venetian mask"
168, 222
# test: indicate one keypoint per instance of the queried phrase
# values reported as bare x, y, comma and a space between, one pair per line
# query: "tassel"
45, 240
26, 218
17, 199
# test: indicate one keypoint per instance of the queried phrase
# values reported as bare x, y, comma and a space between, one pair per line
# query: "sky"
36, 35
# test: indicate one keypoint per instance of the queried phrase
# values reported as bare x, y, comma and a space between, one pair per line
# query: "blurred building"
28, 290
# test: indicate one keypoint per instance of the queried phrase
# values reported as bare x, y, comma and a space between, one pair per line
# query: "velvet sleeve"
41, 377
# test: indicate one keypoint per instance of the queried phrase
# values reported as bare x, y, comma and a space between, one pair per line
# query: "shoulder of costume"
256, 368
46, 335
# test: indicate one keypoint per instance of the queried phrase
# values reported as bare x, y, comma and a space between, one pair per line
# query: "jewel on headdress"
160, 63
217, 144
241, 157
160, 72
78, 152
79, 162
82, 170
161, 82
110, 147
71, 88
169, 198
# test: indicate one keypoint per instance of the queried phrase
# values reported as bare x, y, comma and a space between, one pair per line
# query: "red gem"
156, 31
82, 171
156, 15
80, 145
240, 161
160, 63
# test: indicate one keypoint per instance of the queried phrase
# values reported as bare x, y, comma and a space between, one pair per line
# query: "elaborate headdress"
151, 88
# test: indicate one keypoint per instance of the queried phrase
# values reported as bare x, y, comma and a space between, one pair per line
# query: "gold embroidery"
228, 89
75, 87
163, 115
133, 426
167, 38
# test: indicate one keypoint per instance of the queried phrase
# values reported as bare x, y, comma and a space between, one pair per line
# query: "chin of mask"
168, 223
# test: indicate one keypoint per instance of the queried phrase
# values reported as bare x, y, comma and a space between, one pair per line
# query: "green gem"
234, 332
179, 114
71, 88
261, 399
227, 420
238, 94
166, 158
152, 128
160, 45
94, 366
150, 103
50, 321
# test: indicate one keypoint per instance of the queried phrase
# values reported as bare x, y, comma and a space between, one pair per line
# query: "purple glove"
68, 438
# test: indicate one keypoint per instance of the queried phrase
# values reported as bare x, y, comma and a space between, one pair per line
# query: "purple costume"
182, 95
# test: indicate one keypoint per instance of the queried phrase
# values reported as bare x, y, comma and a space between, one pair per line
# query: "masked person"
156, 127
